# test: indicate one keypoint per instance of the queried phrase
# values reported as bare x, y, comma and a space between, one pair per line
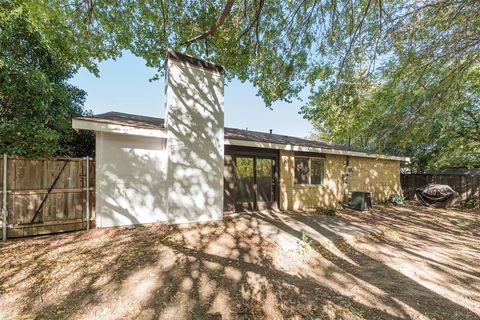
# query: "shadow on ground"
421, 263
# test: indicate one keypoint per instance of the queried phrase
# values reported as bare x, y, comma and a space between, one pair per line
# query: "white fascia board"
80, 124
289, 147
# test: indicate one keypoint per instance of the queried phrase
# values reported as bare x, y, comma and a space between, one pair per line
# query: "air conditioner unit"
361, 200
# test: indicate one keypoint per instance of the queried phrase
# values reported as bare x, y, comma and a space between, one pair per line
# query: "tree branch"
90, 4
164, 19
354, 36
254, 21
214, 27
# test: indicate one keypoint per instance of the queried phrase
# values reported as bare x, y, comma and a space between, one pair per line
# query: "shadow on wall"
382, 177
195, 123
131, 175
146, 179
297, 197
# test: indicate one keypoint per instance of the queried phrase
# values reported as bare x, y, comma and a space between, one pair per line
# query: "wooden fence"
47, 195
467, 186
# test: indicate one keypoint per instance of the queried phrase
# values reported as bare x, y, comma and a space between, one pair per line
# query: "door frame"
256, 153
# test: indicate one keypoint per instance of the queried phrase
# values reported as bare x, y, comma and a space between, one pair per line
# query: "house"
189, 168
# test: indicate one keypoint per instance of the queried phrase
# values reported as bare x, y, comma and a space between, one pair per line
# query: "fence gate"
48, 195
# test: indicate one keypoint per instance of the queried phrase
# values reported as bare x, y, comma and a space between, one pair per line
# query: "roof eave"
84, 124
92, 124
289, 147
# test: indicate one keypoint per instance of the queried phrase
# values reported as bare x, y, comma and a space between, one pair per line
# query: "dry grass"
423, 265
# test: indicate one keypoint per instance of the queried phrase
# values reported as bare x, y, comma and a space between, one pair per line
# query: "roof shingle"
230, 133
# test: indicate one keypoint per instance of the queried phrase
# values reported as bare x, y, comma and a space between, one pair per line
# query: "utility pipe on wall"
4, 202
88, 193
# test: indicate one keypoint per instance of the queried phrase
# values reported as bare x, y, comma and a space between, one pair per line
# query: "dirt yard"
419, 264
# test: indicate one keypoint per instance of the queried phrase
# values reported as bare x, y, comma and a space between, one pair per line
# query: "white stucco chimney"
195, 147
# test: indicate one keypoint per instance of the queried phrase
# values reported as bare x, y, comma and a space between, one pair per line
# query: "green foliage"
410, 85
392, 76
436, 132
305, 245
272, 44
36, 102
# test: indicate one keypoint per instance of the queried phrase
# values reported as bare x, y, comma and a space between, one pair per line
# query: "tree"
271, 44
383, 118
422, 98
36, 102
364, 60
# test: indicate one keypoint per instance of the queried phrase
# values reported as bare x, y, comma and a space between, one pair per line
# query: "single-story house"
188, 167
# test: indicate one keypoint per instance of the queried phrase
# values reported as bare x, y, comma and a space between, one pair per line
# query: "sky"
124, 86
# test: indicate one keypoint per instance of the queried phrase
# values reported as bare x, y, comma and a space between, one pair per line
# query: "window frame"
309, 175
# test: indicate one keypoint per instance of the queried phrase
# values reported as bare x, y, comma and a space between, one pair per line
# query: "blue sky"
123, 86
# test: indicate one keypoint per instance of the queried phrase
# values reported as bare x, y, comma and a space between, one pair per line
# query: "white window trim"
309, 184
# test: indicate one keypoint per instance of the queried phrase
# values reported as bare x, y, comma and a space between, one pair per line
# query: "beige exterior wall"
382, 177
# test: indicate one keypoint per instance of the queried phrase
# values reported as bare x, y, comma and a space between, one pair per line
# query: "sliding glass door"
244, 183
264, 182
254, 182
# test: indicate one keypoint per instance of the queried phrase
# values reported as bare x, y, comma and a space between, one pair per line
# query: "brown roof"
230, 133
133, 120
239, 134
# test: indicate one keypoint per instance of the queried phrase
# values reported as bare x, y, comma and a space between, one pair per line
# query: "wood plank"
49, 159
60, 212
79, 206
1, 175
1, 183
44, 191
17, 208
29, 181
66, 205
45, 223
11, 217
48, 210
34, 230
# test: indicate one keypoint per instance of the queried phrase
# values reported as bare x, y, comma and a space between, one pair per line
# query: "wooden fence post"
4, 195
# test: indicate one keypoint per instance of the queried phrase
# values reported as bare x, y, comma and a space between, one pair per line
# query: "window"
301, 171
309, 170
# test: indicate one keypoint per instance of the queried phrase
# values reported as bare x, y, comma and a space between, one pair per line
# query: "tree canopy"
36, 102
393, 76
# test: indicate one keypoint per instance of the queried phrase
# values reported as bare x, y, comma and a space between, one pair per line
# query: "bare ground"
423, 264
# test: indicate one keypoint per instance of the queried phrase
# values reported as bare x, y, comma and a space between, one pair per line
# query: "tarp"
435, 195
